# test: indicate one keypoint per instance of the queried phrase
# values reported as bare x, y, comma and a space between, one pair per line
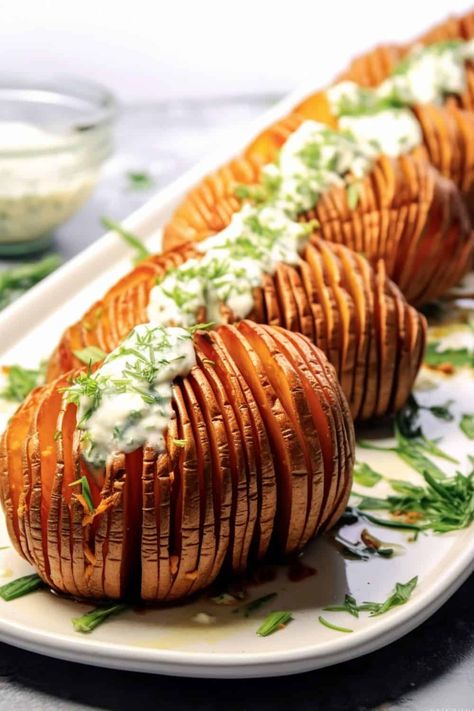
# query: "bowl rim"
103, 108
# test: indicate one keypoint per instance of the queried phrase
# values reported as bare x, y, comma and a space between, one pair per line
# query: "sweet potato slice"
288, 458
254, 451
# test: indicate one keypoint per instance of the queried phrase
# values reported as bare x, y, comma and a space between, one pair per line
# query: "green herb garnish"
141, 252
14, 282
275, 621
365, 475
92, 619
256, 604
353, 192
140, 180
90, 355
467, 425
457, 357
400, 596
85, 491
20, 382
179, 442
21, 586
328, 624
349, 605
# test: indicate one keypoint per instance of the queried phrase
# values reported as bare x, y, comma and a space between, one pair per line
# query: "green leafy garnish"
400, 596
140, 180
21, 381
328, 624
90, 355
457, 357
349, 605
179, 442
275, 621
353, 191
21, 586
141, 252
440, 506
256, 604
15, 281
92, 619
85, 491
467, 425
365, 475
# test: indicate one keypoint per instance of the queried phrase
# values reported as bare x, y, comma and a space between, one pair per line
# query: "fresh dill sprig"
141, 252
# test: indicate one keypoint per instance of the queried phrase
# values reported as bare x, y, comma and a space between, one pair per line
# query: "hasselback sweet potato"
332, 296
258, 452
373, 67
404, 208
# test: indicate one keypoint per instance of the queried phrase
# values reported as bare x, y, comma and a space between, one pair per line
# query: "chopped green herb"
407, 419
90, 355
20, 382
15, 281
400, 596
256, 604
275, 621
92, 619
365, 475
141, 252
349, 605
140, 180
467, 425
328, 624
179, 442
85, 491
440, 506
353, 191
458, 357
21, 586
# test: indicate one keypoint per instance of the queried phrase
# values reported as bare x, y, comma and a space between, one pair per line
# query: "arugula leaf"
21, 381
467, 425
141, 252
273, 622
90, 355
15, 281
21, 586
365, 475
92, 619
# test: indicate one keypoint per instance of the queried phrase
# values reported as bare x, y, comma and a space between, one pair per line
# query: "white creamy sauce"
392, 131
259, 237
38, 190
382, 115
126, 403
429, 73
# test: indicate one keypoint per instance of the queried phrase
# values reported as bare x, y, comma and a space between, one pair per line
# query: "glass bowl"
55, 133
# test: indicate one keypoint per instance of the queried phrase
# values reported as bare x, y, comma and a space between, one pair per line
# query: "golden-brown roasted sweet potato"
333, 297
259, 452
373, 67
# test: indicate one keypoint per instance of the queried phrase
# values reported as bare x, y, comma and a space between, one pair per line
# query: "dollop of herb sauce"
126, 403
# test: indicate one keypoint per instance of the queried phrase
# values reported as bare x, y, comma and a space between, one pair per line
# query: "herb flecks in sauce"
126, 403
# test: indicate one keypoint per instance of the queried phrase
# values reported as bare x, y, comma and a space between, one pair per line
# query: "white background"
154, 50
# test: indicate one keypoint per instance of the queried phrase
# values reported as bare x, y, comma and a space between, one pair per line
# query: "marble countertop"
431, 668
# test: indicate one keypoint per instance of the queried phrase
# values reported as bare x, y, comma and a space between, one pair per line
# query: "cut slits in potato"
330, 297
258, 454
